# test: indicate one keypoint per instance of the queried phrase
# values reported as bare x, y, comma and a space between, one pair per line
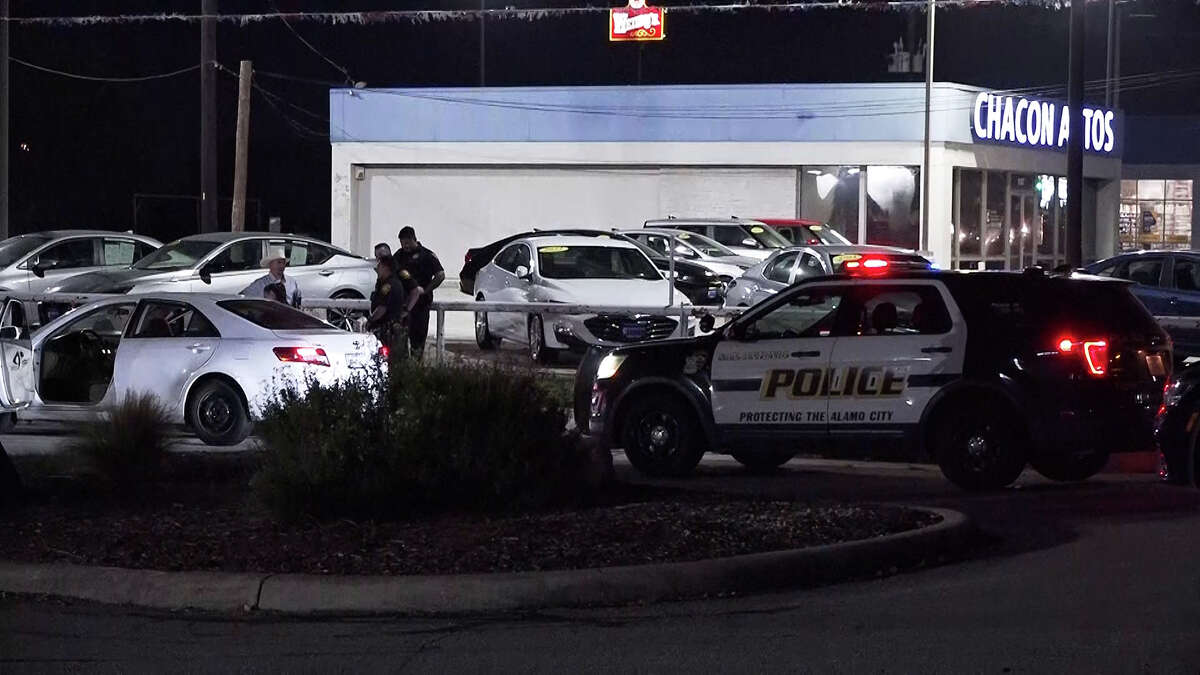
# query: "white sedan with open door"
211, 360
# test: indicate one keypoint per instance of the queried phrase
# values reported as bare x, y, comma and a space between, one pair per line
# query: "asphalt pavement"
1096, 577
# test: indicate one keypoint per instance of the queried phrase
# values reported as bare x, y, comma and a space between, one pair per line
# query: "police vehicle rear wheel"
977, 446
538, 351
759, 462
1070, 467
660, 436
217, 414
483, 334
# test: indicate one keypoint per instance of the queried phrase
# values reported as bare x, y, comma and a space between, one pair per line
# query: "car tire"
1070, 468
977, 444
8, 422
217, 414
483, 334
538, 351
346, 319
661, 436
763, 461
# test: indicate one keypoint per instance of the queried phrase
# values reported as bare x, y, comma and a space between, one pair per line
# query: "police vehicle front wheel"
760, 462
661, 436
217, 414
977, 445
1069, 468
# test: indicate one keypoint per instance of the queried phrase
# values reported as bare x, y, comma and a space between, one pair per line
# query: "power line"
93, 78
430, 15
313, 49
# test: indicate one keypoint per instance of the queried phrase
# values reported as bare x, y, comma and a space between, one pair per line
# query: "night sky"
81, 150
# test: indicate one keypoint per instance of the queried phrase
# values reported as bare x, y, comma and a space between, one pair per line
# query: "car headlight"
609, 366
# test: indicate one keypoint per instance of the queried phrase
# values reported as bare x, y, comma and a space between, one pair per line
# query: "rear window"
272, 315
1054, 306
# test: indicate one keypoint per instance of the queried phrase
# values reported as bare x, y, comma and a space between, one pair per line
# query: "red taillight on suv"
1093, 352
313, 356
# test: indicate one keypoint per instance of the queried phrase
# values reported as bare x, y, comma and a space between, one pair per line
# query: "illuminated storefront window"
1155, 215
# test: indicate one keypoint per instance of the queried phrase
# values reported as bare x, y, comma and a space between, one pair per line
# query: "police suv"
983, 371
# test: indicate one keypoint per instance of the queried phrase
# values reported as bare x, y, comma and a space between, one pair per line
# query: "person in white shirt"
275, 262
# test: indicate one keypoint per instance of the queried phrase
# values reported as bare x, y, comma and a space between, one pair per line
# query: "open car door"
16, 358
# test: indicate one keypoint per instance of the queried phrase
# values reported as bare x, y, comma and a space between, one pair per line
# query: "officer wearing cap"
396, 292
425, 267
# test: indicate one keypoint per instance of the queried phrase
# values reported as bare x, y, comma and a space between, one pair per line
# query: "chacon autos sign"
636, 23
1032, 123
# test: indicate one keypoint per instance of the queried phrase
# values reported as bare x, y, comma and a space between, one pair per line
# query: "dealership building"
468, 166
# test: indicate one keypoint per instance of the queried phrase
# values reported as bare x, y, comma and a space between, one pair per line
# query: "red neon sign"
636, 23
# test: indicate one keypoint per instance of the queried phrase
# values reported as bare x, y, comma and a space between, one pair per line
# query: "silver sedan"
32, 263
789, 265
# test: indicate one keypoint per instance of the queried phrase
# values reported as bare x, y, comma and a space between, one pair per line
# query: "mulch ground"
206, 520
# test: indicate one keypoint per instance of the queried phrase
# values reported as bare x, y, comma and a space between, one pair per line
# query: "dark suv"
983, 371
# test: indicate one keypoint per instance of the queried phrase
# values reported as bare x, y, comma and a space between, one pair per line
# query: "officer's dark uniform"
392, 327
422, 264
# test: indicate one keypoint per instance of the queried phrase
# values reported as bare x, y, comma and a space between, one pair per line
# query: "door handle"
937, 350
326, 273
197, 348
805, 355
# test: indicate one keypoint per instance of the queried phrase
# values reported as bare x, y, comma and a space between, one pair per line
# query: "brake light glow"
875, 263
384, 351
313, 356
1093, 352
1096, 354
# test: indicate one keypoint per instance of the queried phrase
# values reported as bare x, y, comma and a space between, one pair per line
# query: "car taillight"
313, 356
1093, 352
384, 351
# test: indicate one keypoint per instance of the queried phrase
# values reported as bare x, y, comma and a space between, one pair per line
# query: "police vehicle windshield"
594, 262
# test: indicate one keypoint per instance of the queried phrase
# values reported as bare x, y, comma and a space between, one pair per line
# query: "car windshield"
272, 315
177, 255
594, 262
706, 246
767, 237
15, 248
819, 234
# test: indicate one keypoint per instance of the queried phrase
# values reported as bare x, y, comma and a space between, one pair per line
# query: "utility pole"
1074, 243
238, 219
208, 117
924, 237
4, 149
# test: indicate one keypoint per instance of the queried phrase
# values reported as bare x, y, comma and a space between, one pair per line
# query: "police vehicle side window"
896, 310
804, 315
780, 268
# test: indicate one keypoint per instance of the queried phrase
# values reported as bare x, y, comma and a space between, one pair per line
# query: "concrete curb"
476, 593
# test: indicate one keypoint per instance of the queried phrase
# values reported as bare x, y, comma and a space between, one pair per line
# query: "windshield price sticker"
757, 230
552, 249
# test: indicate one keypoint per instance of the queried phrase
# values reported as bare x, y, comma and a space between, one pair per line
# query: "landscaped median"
335, 515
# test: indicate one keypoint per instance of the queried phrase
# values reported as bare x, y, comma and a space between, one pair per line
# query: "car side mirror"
38, 269
749, 242
523, 273
707, 323
205, 275
10, 333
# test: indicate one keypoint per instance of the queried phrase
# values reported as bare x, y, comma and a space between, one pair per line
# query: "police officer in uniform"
425, 267
396, 293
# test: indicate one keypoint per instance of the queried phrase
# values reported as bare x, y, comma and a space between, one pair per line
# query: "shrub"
419, 437
127, 443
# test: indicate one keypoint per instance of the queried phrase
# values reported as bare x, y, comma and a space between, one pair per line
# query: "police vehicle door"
767, 373
899, 342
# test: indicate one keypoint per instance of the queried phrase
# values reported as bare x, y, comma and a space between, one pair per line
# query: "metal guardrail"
439, 308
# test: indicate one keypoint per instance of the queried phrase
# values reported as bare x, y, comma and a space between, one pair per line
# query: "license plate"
1154, 363
633, 332
356, 359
